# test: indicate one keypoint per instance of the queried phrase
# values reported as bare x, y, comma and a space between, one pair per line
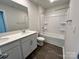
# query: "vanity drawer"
9, 46
33, 36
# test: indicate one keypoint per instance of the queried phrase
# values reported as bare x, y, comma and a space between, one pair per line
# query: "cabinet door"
29, 44
14, 53
33, 42
26, 48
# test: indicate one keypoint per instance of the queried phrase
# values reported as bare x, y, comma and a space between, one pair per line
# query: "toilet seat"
41, 38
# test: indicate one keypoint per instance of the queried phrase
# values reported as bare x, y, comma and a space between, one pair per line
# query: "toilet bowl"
40, 41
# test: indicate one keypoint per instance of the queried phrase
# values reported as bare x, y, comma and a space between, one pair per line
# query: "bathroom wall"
54, 17
72, 34
15, 18
33, 13
41, 18
51, 10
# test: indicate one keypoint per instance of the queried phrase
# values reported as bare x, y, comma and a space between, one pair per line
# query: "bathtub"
54, 38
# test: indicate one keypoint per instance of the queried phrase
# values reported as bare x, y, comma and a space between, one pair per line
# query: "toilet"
40, 41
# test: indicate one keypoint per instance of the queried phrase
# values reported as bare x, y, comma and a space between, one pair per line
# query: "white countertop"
14, 36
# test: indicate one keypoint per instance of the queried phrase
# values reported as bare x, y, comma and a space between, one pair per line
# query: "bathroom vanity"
18, 45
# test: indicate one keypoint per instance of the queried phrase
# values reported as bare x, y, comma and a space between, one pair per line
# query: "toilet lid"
41, 38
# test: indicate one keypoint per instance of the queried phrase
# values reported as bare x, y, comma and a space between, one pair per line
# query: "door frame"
5, 20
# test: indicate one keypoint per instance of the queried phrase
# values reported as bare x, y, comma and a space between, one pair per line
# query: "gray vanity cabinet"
21, 48
13, 50
33, 42
29, 44
14, 53
26, 47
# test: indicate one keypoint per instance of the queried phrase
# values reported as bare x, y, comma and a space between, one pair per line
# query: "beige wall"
56, 8
33, 16
15, 18
33, 13
41, 18
54, 17
72, 34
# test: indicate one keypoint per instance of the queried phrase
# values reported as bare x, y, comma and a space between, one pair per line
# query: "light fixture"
51, 1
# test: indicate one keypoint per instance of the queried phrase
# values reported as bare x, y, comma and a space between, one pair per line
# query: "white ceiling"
47, 4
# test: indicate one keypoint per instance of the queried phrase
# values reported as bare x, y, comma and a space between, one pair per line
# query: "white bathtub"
53, 38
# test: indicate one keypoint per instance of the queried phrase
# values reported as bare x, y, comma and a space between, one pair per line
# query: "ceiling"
47, 4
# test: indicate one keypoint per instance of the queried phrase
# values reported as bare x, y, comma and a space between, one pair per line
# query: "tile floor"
48, 51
